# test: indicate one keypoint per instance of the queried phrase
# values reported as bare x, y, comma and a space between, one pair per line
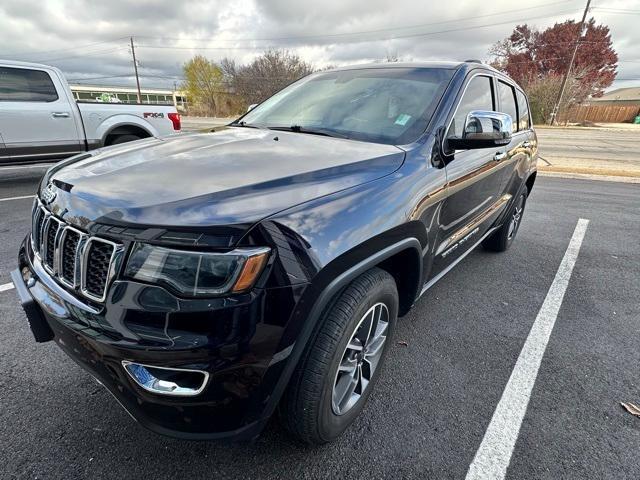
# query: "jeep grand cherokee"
208, 279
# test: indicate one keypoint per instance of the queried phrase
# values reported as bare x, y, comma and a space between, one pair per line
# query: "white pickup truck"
40, 119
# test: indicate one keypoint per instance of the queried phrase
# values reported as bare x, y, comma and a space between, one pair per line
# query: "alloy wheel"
360, 359
516, 216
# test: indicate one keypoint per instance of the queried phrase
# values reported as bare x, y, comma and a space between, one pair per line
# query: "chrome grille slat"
40, 222
77, 260
50, 242
71, 242
97, 260
37, 216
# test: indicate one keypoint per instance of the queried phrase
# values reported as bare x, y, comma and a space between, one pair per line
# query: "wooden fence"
600, 113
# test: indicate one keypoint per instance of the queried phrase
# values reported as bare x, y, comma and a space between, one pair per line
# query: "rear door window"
508, 102
523, 111
26, 85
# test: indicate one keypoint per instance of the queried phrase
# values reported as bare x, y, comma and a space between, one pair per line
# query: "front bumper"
239, 341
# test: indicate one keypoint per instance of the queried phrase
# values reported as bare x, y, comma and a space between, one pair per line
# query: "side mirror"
251, 107
483, 129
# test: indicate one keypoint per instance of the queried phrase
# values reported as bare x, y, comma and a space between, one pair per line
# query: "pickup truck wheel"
343, 360
502, 238
123, 139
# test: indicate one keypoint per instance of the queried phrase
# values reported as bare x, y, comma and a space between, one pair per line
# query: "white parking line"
493, 457
15, 198
6, 286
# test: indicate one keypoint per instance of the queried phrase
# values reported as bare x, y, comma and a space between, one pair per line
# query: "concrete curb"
587, 176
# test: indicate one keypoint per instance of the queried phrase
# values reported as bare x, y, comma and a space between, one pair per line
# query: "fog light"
167, 381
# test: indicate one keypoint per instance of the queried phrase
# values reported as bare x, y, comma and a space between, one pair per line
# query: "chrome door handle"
498, 157
60, 114
526, 144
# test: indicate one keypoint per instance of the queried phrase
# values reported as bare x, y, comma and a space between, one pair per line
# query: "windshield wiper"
242, 123
310, 131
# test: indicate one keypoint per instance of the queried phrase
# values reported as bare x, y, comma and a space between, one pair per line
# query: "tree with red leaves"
537, 60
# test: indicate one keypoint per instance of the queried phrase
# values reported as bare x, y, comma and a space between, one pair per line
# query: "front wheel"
501, 239
342, 364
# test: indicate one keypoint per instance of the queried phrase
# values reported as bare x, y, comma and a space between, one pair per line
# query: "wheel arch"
127, 123
385, 258
125, 129
531, 179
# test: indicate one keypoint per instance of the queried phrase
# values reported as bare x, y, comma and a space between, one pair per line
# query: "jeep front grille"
76, 259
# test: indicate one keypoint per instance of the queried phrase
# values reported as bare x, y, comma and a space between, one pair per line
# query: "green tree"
204, 85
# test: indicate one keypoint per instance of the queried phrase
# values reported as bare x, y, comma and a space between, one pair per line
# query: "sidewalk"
604, 152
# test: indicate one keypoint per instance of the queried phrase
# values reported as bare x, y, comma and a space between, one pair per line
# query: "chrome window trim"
118, 249
481, 73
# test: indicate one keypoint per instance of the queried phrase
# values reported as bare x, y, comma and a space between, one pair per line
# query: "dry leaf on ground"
631, 408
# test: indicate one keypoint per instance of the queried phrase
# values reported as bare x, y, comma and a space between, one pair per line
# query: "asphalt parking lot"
432, 408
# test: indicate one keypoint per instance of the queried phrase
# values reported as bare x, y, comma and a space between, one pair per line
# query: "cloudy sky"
88, 39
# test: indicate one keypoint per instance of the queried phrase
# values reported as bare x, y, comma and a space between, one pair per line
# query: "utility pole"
135, 67
175, 98
556, 107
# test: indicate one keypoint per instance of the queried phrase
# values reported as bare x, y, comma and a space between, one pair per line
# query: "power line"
335, 35
289, 38
617, 10
83, 55
97, 78
77, 47
412, 35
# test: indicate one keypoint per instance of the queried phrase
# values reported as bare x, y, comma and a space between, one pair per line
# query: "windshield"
381, 105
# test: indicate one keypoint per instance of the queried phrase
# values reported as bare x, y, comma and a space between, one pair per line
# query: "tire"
124, 139
502, 238
308, 410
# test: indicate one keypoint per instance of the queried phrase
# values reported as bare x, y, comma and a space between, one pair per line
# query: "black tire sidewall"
499, 240
508, 241
120, 139
331, 425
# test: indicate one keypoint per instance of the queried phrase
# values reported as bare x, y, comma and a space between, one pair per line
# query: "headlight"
197, 274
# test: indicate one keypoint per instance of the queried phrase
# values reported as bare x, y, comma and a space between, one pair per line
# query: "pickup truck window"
477, 96
390, 105
25, 85
508, 102
523, 111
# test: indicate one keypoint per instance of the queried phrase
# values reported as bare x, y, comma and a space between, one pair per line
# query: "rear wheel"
342, 364
502, 238
123, 139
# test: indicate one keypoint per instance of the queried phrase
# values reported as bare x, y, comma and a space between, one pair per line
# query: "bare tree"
267, 74
543, 92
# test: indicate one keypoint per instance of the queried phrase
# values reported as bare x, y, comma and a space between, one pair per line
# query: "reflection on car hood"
235, 176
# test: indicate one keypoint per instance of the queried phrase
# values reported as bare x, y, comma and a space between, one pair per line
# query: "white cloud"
88, 38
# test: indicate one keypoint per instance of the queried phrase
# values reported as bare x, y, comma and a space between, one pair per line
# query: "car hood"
233, 177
